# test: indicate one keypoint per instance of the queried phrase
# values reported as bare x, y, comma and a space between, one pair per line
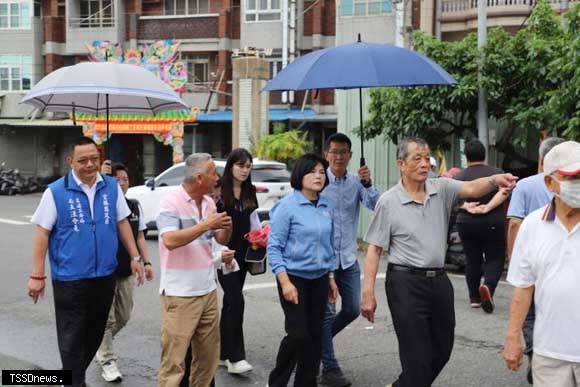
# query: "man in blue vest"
79, 219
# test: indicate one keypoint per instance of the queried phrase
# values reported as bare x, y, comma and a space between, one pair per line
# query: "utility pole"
285, 42
482, 131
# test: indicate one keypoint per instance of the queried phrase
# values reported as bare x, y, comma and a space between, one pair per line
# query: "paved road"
368, 353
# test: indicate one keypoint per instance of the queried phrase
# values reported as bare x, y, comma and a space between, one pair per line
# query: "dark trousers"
423, 315
302, 346
528, 328
485, 249
232, 317
81, 309
187, 370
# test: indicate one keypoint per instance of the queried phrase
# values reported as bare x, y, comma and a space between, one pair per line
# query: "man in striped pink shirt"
187, 222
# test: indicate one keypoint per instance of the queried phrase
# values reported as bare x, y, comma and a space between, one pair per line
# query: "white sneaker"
111, 372
239, 367
223, 363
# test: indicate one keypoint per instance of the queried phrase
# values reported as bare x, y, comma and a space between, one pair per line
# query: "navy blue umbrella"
360, 65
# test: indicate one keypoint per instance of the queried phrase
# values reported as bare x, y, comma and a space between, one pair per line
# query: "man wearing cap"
530, 194
410, 222
545, 260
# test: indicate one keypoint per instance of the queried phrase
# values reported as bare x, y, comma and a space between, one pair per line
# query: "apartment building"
37, 37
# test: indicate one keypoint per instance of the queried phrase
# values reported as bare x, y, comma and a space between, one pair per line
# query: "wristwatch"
137, 258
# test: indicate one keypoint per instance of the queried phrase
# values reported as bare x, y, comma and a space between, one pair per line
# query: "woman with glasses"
240, 202
301, 253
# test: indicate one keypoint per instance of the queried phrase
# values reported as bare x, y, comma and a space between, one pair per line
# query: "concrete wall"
264, 34
10, 106
199, 100
36, 151
375, 29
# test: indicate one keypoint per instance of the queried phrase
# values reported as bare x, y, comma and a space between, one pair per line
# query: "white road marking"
269, 285
15, 222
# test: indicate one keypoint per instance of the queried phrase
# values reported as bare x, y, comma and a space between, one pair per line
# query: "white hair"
196, 165
547, 145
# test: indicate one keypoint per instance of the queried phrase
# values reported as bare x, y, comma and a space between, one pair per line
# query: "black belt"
424, 272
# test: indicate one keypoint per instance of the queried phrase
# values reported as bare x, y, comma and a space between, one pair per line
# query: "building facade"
37, 37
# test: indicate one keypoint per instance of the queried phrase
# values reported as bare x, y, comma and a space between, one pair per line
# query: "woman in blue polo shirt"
301, 253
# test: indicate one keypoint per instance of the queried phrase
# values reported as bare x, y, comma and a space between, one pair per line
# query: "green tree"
284, 146
563, 107
532, 79
433, 113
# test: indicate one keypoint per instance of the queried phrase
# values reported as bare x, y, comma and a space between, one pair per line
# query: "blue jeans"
348, 282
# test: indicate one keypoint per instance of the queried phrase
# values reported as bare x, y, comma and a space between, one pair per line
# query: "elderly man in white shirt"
546, 258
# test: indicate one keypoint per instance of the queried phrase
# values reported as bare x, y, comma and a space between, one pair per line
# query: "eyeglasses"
85, 160
340, 153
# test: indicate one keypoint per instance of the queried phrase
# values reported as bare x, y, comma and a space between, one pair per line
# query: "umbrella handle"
362, 162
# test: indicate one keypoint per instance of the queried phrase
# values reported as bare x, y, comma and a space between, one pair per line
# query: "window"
61, 8
275, 66
365, 7
15, 14
37, 8
15, 72
186, 7
96, 13
262, 10
197, 68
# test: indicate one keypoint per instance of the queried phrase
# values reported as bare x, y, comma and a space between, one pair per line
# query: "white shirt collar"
81, 184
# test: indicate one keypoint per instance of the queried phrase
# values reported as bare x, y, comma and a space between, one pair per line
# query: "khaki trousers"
188, 320
118, 317
549, 372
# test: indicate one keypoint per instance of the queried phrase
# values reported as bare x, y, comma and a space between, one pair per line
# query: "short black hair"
305, 165
119, 167
338, 137
474, 151
80, 141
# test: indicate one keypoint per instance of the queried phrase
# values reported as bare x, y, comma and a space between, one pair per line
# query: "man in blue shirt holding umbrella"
346, 192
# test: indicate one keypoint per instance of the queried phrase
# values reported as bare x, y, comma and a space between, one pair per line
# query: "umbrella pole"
107, 119
362, 140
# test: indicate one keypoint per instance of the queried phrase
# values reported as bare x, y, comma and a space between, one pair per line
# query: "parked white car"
271, 178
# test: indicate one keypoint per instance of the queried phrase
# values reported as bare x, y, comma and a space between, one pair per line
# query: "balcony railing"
92, 22
187, 27
451, 6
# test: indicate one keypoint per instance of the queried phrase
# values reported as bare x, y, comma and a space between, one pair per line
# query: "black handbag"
256, 260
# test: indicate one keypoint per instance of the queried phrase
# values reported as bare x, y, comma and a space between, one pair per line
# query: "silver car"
271, 178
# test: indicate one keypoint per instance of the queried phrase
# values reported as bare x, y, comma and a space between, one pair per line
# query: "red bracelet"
38, 277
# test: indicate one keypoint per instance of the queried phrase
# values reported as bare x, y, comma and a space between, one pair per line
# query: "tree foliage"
532, 80
284, 146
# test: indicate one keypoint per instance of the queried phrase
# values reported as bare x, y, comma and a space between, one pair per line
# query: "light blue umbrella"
360, 65
101, 89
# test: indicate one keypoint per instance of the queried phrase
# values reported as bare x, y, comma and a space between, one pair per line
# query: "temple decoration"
160, 57
166, 127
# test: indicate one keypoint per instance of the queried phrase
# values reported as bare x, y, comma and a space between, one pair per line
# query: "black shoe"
334, 378
530, 376
486, 299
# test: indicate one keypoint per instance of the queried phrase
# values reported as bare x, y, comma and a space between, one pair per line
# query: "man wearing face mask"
545, 260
